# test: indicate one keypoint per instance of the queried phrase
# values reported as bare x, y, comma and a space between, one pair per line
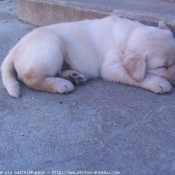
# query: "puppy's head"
151, 49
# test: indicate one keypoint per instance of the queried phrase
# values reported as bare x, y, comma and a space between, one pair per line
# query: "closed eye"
162, 67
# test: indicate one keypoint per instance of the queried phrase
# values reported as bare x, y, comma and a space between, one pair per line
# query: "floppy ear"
135, 65
162, 25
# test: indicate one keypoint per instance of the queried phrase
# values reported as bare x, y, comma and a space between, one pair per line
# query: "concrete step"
45, 12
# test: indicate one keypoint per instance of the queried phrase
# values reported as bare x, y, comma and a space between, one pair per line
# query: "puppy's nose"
173, 83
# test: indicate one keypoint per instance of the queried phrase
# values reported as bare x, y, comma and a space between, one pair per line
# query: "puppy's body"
112, 48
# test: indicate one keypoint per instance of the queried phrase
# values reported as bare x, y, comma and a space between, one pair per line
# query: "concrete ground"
101, 127
45, 12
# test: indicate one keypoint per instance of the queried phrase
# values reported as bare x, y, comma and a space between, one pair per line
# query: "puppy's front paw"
161, 85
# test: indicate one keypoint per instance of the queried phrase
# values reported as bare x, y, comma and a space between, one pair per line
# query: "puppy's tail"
9, 77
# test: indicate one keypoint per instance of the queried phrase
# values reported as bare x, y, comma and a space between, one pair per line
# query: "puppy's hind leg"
75, 77
49, 84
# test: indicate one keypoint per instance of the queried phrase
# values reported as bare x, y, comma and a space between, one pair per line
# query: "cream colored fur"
112, 48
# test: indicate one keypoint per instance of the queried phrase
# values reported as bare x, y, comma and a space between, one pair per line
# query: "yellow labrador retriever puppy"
114, 49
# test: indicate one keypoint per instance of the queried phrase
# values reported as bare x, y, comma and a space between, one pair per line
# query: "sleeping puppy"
112, 48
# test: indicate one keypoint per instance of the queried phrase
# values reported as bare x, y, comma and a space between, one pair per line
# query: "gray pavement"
101, 126
45, 12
